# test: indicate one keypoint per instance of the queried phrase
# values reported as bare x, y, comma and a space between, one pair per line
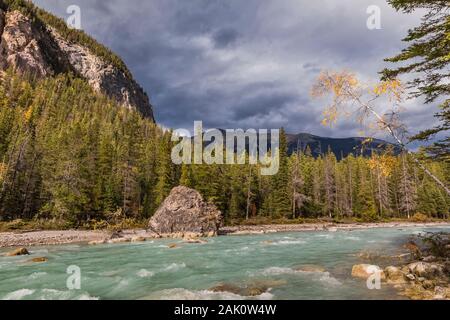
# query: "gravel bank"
332, 227
41, 238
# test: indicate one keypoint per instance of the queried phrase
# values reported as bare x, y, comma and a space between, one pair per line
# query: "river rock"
441, 293
429, 259
366, 270
96, 242
413, 248
39, 259
195, 241
410, 277
254, 291
428, 284
138, 239
119, 240
226, 287
425, 269
185, 211
176, 235
310, 268
394, 275
116, 234
190, 235
18, 252
249, 290
417, 292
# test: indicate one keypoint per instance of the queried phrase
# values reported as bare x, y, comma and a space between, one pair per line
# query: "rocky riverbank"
40, 238
421, 273
331, 227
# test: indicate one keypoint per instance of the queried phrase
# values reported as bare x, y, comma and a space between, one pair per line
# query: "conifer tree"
281, 199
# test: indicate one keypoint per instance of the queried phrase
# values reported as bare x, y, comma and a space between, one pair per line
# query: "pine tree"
427, 58
407, 189
165, 170
186, 178
329, 184
297, 184
281, 198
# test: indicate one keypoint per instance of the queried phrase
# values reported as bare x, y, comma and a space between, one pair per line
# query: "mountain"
341, 147
35, 42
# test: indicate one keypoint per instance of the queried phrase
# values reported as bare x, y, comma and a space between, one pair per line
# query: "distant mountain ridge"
341, 147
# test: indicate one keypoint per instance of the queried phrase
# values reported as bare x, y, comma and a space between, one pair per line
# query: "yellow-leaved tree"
375, 107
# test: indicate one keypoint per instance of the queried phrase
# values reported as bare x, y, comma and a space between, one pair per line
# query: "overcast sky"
245, 63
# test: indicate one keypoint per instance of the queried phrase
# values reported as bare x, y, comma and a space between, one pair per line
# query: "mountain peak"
36, 42
341, 147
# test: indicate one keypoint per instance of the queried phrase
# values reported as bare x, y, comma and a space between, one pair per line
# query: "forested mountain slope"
36, 42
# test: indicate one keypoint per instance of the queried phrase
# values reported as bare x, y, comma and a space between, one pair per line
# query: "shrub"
419, 217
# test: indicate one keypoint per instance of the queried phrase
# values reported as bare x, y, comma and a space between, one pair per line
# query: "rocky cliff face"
20, 47
39, 49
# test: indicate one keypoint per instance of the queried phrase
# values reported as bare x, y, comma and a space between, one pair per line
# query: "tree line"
367, 188
70, 154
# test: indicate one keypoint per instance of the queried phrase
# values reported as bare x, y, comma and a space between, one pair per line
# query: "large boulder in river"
185, 211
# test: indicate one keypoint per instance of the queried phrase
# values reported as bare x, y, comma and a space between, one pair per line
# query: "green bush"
419, 217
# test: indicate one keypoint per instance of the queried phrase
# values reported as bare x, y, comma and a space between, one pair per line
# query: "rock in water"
185, 211
366, 270
39, 259
394, 275
310, 268
18, 252
138, 239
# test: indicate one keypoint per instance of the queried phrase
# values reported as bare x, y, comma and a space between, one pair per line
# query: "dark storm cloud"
245, 63
225, 37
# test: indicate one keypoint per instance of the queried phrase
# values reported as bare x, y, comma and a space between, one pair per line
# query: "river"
152, 270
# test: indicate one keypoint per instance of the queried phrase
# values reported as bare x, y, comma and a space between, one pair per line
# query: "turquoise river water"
151, 270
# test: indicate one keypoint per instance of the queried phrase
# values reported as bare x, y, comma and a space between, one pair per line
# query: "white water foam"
328, 279
277, 271
144, 273
122, 284
287, 242
185, 294
36, 275
354, 238
87, 297
238, 250
324, 277
53, 294
110, 273
175, 267
18, 294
